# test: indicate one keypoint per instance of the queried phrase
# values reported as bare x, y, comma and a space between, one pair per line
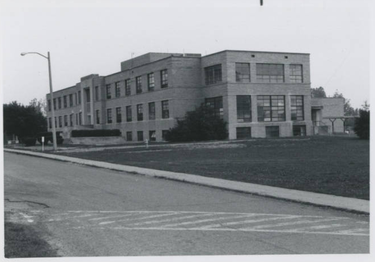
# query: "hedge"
96, 133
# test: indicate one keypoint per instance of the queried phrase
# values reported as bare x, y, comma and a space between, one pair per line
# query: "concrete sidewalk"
345, 203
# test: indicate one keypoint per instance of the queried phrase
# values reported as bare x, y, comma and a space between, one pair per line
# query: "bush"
199, 125
362, 124
96, 133
29, 141
49, 138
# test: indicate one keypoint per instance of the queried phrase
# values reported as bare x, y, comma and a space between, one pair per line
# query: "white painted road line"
122, 220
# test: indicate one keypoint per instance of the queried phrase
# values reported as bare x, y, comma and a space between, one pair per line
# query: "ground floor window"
71, 119
50, 123
163, 134
215, 104
140, 135
272, 131
152, 135
129, 136
60, 121
299, 130
243, 132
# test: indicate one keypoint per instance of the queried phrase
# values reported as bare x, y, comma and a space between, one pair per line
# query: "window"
152, 135
88, 97
108, 91
129, 136
79, 97
272, 131
138, 84
109, 115
127, 87
65, 120
128, 113
243, 132
71, 100
71, 119
243, 108
213, 74
77, 119
65, 102
60, 121
54, 103
270, 73
296, 108
140, 112
49, 104
299, 130
55, 121
243, 72
140, 135
295, 72
96, 93
117, 89
118, 115
97, 113
164, 134
76, 98
80, 118
49, 123
59, 102
165, 109
164, 78
151, 111
271, 108
151, 82
215, 105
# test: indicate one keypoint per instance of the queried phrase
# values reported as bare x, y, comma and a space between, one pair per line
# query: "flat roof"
248, 51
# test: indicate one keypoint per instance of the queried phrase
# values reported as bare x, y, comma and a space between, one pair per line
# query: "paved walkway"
344, 203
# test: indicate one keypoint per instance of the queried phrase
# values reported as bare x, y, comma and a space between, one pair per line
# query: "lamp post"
51, 94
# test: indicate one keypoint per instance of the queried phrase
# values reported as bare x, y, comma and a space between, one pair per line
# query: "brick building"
259, 94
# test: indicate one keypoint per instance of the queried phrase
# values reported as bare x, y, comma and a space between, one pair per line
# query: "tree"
348, 109
23, 121
40, 105
318, 92
362, 124
198, 125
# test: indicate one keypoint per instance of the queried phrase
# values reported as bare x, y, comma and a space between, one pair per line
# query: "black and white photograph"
186, 130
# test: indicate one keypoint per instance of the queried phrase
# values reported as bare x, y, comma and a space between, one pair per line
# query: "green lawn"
323, 164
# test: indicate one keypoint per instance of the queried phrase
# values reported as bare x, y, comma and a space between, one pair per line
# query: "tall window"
140, 112
54, 104
244, 108
49, 123
295, 73
270, 73
65, 120
108, 91
296, 108
151, 82
65, 99
71, 119
49, 104
164, 78
152, 135
129, 136
117, 89
127, 87
165, 109
80, 118
138, 84
97, 113
109, 115
71, 100
118, 115
77, 123
60, 121
271, 108
55, 121
243, 72
128, 113
215, 105
59, 102
96, 93
213, 74
79, 97
88, 97
151, 111
140, 135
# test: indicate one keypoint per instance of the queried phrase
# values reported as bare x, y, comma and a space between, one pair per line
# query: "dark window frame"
129, 117
140, 136
215, 104
97, 114
165, 109
152, 135
138, 84
270, 73
271, 131
129, 136
269, 106
118, 115
151, 82
108, 91
151, 111
140, 112
296, 73
244, 113
128, 90
297, 108
213, 74
242, 72
243, 132
117, 90
109, 115
164, 78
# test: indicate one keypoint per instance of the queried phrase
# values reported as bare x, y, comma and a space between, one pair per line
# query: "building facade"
259, 94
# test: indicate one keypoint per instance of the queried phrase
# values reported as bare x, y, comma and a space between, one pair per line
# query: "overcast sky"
88, 36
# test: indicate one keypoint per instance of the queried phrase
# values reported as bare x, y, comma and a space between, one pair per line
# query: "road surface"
86, 211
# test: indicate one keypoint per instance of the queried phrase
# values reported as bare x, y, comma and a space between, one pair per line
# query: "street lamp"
51, 94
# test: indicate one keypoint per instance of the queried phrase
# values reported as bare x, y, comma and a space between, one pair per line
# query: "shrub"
29, 141
362, 124
96, 133
198, 125
49, 138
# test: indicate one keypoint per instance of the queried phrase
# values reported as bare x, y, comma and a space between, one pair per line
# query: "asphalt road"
85, 211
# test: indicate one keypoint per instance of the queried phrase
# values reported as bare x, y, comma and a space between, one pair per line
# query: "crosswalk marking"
204, 220
161, 215
168, 220
295, 223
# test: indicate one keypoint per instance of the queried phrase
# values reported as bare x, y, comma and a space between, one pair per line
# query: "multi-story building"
259, 94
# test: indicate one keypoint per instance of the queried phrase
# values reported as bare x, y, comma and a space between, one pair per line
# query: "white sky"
88, 36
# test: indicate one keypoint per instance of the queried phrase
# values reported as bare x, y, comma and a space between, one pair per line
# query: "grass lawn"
332, 165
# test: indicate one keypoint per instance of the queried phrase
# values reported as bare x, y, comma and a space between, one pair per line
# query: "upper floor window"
108, 91
270, 73
49, 104
71, 100
296, 108
215, 105
96, 93
244, 108
242, 72
128, 113
127, 87
164, 78
140, 112
165, 109
151, 111
79, 97
151, 82
138, 84
59, 102
271, 108
213, 74
65, 99
296, 75
54, 104
117, 89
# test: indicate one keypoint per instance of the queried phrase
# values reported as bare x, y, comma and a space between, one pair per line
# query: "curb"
345, 203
